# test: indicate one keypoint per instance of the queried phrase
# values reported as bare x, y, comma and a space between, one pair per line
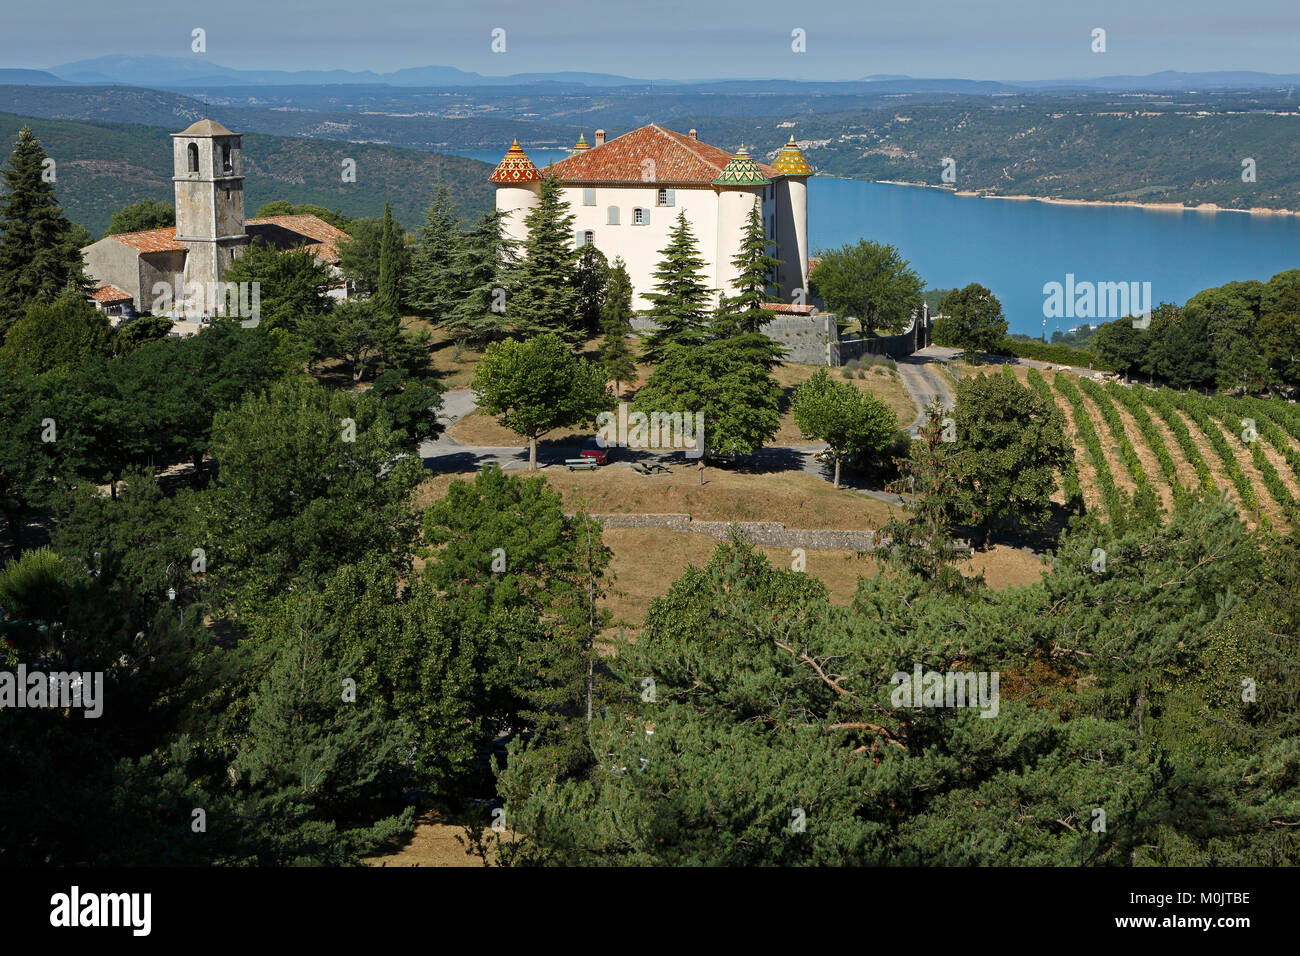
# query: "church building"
626, 195
210, 231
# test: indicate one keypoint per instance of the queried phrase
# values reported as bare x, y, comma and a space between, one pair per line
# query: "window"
613, 215
589, 197
588, 238
667, 197
225, 158
193, 151
640, 217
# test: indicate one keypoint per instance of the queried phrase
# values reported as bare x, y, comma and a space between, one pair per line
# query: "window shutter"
645, 216
672, 197
578, 237
589, 196
613, 215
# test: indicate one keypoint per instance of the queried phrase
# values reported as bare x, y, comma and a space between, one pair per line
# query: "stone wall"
815, 339
916, 336
809, 339
766, 533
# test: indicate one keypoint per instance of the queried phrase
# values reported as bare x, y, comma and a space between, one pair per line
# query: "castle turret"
581, 146
740, 187
208, 166
792, 206
518, 186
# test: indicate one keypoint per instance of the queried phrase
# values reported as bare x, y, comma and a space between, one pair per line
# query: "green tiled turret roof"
741, 171
790, 161
580, 145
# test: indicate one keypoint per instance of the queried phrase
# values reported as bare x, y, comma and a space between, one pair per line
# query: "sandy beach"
1155, 206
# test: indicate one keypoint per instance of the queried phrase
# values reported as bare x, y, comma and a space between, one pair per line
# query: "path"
925, 384
446, 454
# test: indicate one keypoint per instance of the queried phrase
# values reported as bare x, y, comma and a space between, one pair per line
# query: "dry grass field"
795, 498
479, 428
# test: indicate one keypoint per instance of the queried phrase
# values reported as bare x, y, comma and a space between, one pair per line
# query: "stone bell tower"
209, 180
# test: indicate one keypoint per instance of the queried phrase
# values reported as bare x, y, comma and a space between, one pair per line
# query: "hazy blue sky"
980, 39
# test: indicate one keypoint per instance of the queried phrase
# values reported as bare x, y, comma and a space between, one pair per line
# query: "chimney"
600, 137
692, 135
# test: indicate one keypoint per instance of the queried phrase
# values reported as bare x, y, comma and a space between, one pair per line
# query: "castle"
210, 231
626, 194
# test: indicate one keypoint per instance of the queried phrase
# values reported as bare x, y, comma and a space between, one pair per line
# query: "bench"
587, 464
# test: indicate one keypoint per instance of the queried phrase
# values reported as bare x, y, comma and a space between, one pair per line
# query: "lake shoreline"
1208, 208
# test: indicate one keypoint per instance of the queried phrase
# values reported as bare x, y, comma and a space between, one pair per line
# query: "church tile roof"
283, 232
206, 127
110, 293
286, 232
151, 240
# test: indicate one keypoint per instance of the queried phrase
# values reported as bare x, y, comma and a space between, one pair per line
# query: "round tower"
518, 186
740, 188
792, 218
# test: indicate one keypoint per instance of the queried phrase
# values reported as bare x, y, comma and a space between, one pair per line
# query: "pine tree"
484, 267
392, 254
755, 271
681, 300
545, 297
318, 760
616, 324
39, 256
432, 287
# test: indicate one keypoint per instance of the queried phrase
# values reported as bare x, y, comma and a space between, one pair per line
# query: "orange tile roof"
152, 240
284, 232
789, 307
110, 293
320, 238
677, 160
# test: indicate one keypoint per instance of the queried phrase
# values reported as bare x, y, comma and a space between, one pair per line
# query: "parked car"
595, 452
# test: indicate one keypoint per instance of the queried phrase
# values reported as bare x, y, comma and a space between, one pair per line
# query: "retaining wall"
768, 533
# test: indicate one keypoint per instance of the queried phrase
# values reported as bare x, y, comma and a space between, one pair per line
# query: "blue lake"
1016, 247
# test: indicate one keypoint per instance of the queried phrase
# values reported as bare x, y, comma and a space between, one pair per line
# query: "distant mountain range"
170, 72
160, 72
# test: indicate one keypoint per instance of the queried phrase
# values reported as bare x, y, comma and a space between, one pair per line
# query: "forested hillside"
102, 167
1168, 147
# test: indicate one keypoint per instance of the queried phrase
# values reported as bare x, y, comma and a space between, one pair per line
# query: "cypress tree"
546, 297
590, 280
39, 255
681, 300
391, 253
616, 324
